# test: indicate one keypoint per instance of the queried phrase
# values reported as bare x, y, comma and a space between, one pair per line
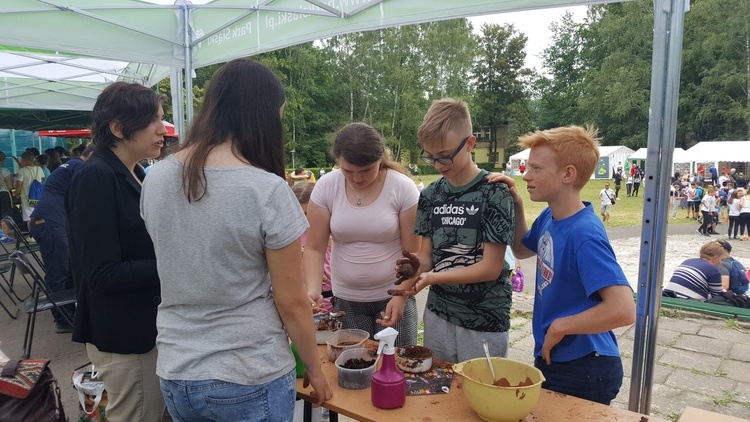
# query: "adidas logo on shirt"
456, 214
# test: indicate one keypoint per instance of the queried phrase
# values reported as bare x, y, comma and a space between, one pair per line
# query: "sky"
535, 25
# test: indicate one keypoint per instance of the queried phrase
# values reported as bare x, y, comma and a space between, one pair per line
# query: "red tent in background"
86, 133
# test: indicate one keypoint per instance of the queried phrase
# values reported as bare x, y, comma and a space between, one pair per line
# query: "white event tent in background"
681, 162
720, 151
609, 156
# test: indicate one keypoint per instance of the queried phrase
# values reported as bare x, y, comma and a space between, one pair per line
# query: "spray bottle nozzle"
387, 338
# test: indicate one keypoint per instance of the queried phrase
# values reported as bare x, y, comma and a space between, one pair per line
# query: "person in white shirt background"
605, 196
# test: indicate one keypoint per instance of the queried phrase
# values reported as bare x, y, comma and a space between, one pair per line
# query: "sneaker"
7, 240
63, 328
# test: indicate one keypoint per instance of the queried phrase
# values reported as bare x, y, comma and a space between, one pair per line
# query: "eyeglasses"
446, 159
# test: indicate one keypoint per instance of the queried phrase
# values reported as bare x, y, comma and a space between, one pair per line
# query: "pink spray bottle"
388, 383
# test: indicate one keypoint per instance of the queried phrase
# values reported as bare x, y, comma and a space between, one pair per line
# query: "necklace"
360, 198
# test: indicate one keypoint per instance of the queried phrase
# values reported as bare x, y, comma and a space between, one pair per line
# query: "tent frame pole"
178, 106
669, 18
186, 10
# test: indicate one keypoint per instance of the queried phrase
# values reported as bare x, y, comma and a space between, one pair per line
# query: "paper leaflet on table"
436, 381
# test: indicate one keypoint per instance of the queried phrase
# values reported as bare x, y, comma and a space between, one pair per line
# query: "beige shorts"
606, 209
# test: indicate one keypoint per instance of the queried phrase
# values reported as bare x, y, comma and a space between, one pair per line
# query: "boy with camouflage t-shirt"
466, 224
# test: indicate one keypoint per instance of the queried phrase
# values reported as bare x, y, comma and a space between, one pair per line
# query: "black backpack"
730, 299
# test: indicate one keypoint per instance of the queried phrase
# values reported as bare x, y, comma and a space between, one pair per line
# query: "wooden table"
552, 406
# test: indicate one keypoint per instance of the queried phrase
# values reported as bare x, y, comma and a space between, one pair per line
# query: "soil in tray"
503, 382
414, 352
357, 363
328, 324
346, 343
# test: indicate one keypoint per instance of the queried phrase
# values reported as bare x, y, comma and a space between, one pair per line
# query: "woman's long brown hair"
242, 106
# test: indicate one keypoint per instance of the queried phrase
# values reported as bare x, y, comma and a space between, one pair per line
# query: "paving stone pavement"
700, 361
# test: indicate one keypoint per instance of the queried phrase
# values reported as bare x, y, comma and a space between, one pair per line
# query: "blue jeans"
593, 377
53, 245
215, 400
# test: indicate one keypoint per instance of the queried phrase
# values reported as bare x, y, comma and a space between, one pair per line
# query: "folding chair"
4, 267
22, 243
41, 299
10, 281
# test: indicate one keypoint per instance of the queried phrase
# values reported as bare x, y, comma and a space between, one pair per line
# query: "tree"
616, 89
500, 78
560, 92
309, 114
387, 77
448, 49
715, 93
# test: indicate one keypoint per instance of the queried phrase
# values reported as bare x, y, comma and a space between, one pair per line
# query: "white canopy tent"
680, 160
608, 157
639, 155
720, 151
185, 36
47, 89
517, 158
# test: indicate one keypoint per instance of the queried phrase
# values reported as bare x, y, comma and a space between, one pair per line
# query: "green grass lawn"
628, 211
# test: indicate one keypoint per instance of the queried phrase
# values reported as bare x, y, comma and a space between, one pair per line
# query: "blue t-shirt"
574, 262
51, 205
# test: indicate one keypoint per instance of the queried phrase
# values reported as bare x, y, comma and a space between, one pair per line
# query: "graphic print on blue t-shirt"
545, 263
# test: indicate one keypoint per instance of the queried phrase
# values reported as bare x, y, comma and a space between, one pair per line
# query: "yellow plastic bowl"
500, 404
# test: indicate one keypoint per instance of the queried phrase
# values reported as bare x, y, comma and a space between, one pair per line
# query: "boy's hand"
424, 280
407, 266
551, 339
501, 178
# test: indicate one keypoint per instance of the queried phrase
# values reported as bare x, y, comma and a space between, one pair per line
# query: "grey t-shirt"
217, 318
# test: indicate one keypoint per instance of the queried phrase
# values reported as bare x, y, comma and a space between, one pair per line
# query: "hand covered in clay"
407, 266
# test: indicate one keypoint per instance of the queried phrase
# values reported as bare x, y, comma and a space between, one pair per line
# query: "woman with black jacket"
112, 256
